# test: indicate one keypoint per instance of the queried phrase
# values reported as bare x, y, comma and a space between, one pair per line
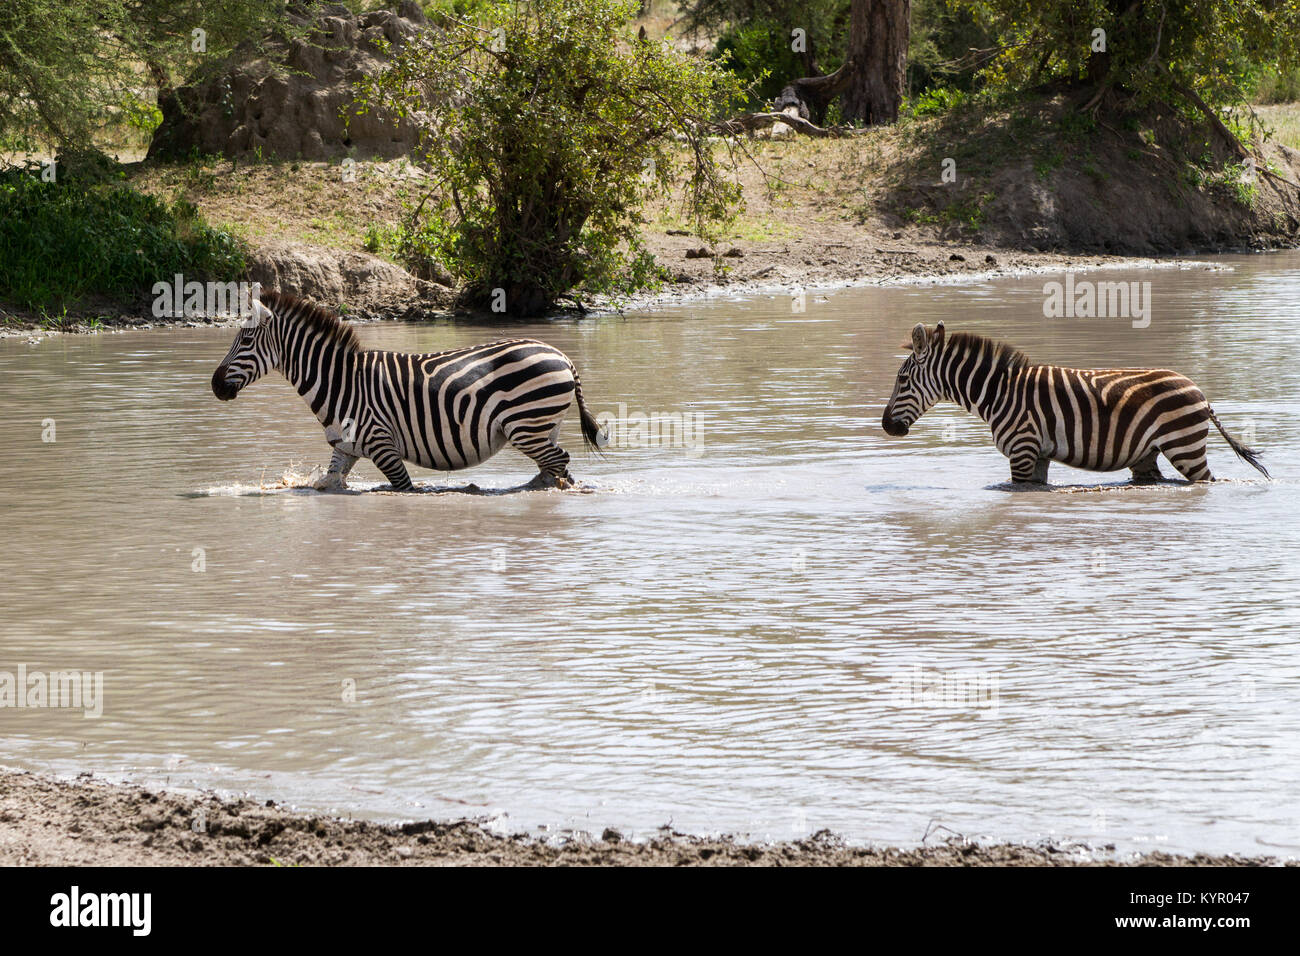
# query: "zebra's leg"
390, 463
1029, 467
1025, 452
552, 460
1147, 468
336, 479
1186, 452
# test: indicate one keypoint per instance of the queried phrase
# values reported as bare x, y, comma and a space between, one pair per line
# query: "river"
766, 617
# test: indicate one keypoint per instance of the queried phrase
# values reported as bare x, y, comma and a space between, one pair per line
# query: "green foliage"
939, 46
938, 100
437, 9
1077, 127
759, 55
140, 114
544, 129
380, 239
756, 40
60, 241
1153, 51
759, 34
1045, 165
1225, 50
422, 243
755, 35
969, 213
1273, 84
1234, 179
70, 68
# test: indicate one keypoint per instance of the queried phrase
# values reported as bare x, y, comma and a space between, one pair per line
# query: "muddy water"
794, 622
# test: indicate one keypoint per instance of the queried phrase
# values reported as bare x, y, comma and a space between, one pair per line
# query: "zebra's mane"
1005, 357
291, 309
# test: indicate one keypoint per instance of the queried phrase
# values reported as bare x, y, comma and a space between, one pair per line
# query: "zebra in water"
442, 410
1092, 418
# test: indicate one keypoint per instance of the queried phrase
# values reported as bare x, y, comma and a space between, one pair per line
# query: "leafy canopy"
69, 68
1152, 47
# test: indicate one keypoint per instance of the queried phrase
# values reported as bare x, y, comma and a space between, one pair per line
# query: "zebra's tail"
1245, 453
594, 438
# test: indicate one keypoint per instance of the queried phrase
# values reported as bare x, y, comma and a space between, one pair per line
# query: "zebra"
442, 410
1096, 419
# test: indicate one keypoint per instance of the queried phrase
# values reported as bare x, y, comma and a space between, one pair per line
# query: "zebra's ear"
936, 337
260, 312
920, 340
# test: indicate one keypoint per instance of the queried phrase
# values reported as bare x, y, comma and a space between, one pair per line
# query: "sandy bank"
46, 821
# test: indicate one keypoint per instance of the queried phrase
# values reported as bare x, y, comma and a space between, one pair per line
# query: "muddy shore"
46, 821
764, 271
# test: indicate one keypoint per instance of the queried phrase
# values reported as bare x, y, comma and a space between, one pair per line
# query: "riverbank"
884, 260
1029, 192
46, 821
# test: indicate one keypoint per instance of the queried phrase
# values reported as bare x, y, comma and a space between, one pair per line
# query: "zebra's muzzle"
893, 426
222, 388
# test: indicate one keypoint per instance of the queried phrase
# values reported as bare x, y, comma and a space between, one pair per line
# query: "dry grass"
300, 201
1284, 120
791, 188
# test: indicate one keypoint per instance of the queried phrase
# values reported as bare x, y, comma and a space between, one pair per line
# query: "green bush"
937, 100
544, 130
60, 241
759, 54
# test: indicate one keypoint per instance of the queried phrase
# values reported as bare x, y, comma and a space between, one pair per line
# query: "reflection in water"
787, 628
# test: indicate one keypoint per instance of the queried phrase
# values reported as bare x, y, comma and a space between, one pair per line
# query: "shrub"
544, 129
937, 100
60, 241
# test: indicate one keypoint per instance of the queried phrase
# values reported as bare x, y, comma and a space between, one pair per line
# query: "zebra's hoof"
331, 482
544, 482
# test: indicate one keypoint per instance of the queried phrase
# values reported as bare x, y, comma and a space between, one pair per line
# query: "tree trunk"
878, 31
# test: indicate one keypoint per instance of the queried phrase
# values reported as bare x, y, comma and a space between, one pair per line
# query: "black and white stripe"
1097, 419
442, 410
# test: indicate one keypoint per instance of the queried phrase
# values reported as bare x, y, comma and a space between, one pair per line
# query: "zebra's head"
917, 387
254, 353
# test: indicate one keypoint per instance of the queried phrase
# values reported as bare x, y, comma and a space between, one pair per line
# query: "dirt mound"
356, 281
1052, 178
289, 97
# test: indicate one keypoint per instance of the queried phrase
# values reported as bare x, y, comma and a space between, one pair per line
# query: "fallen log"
749, 122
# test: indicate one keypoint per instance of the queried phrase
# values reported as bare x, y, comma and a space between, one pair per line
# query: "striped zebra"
441, 410
1092, 418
